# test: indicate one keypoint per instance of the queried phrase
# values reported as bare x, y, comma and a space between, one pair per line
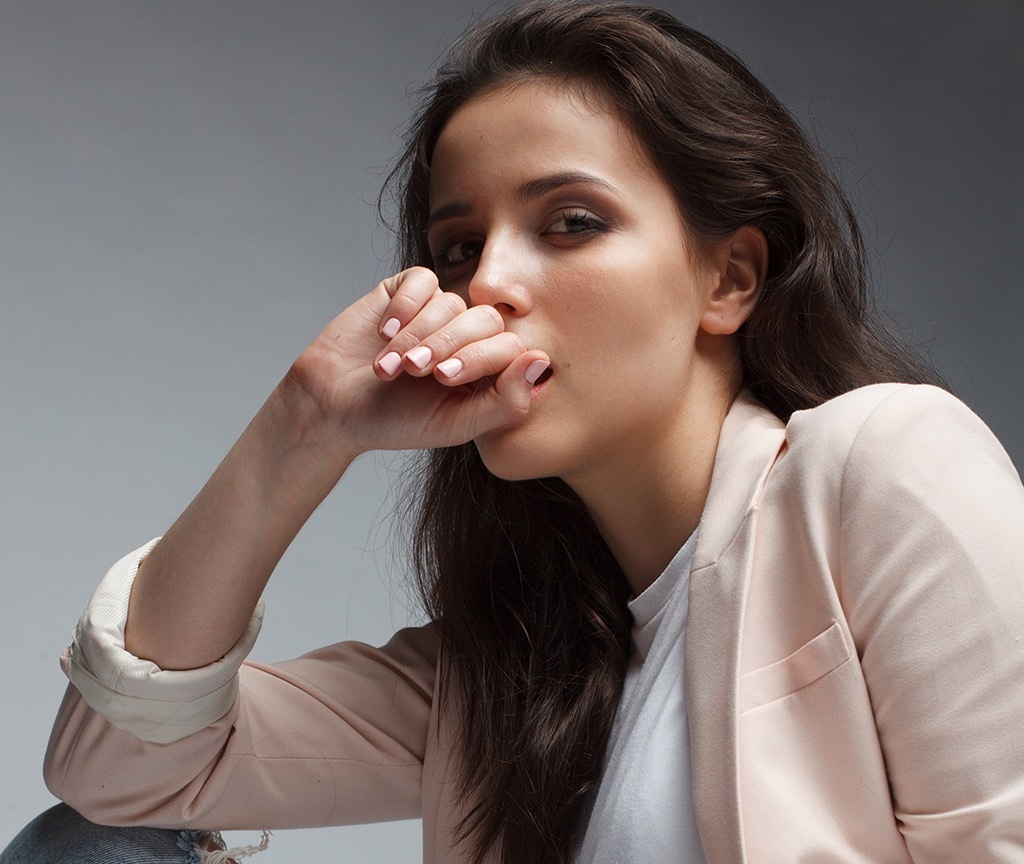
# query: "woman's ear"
739, 265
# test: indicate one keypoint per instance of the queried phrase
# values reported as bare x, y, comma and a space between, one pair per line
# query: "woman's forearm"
196, 590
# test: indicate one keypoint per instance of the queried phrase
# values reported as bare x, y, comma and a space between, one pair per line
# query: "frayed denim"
62, 836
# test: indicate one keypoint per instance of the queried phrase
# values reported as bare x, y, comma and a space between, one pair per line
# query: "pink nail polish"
450, 367
535, 370
419, 356
391, 327
390, 362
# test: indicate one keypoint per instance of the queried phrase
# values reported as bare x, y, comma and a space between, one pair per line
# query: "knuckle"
403, 307
452, 303
491, 316
473, 355
513, 342
445, 342
516, 409
406, 286
419, 275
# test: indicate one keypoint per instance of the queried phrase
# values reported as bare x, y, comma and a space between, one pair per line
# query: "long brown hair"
529, 603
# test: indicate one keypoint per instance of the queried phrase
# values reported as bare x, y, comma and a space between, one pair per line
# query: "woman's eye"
456, 253
576, 222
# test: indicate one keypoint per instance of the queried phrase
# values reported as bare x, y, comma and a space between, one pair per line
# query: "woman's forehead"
535, 126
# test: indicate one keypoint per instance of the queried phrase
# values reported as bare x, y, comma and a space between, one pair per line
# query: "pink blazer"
855, 668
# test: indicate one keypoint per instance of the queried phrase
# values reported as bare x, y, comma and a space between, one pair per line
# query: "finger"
467, 328
438, 312
481, 358
510, 399
407, 292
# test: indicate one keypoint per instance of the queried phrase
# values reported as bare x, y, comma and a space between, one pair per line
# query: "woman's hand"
410, 366
406, 366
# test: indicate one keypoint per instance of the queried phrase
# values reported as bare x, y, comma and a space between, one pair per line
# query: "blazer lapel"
750, 441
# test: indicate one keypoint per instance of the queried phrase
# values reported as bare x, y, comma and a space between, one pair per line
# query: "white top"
643, 809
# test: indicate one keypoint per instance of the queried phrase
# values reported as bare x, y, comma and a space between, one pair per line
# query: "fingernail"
450, 367
391, 327
390, 362
535, 370
419, 356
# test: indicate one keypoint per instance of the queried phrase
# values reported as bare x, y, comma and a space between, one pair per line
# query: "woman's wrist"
312, 410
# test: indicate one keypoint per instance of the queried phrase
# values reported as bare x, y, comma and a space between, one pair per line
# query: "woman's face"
544, 206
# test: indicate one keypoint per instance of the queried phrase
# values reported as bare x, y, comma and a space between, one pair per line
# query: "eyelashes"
566, 227
457, 252
576, 222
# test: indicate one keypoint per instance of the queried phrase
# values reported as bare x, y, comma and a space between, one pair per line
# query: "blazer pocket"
814, 660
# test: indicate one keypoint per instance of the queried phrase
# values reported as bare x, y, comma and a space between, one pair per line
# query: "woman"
632, 328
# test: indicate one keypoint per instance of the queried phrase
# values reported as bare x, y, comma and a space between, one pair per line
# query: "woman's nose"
500, 279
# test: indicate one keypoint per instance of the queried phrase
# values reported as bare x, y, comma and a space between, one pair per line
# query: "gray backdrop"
187, 198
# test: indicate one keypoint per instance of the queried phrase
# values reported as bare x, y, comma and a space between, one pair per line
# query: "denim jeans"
61, 836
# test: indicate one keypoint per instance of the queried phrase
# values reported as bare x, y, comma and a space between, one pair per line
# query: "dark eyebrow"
449, 211
527, 191
542, 185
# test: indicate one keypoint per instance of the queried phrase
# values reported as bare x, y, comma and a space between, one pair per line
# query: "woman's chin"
509, 455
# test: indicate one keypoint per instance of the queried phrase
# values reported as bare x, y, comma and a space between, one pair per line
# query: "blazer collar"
749, 443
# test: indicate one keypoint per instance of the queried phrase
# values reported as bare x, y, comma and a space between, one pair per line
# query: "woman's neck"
648, 502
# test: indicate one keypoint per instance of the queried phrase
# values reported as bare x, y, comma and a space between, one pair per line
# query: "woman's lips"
545, 376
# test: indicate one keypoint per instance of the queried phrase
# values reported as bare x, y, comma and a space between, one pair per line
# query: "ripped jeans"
61, 836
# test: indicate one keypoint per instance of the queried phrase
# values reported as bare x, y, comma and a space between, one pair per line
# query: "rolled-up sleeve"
337, 736
136, 695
